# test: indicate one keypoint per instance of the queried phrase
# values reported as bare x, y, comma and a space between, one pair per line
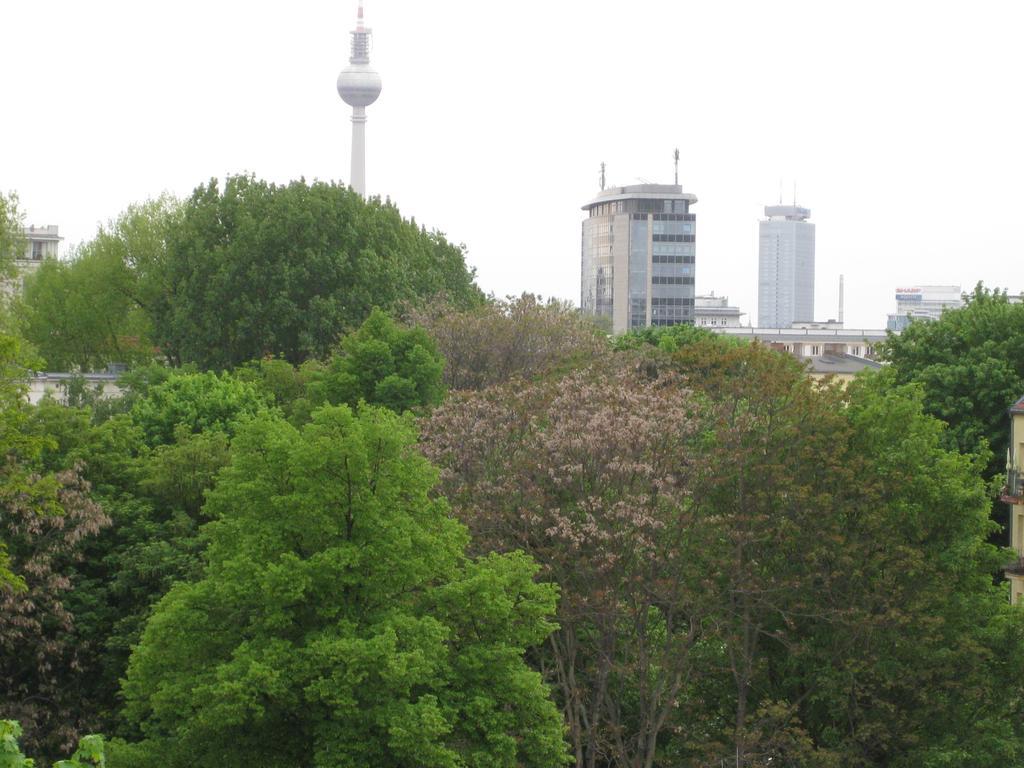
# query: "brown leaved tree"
593, 475
45, 521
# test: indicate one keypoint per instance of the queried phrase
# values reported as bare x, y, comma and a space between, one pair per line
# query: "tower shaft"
358, 175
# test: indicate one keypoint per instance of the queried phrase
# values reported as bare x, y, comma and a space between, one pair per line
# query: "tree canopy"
970, 365
257, 269
505, 338
236, 273
339, 622
11, 237
740, 552
383, 364
96, 306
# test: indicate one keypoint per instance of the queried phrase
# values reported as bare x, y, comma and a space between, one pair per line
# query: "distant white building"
785, 267
714, 312
104, 385
815, 340
923, 302
41, 243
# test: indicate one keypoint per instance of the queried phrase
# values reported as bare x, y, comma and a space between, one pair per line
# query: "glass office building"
638, 257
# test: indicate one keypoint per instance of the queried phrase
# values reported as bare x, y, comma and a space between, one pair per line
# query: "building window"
37, 251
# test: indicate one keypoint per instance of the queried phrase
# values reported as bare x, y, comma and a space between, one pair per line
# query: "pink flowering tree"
594, 475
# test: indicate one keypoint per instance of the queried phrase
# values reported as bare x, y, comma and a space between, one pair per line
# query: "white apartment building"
714, 312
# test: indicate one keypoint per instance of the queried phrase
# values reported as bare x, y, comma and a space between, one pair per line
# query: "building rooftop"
787, 212
840, 364
643, 192
48, 232
1018, 407
806, 334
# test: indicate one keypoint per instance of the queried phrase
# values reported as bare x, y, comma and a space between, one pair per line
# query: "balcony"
1015, 568
1013, 491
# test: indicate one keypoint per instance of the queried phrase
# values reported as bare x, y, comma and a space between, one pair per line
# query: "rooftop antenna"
840, 299
794, 194
602, 175
780, 190
676, 158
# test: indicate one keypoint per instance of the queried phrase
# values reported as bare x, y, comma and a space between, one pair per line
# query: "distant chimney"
840, 299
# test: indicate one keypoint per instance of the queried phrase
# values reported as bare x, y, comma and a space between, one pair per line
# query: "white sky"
901, 123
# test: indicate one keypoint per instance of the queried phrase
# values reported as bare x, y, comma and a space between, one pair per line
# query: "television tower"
359, 87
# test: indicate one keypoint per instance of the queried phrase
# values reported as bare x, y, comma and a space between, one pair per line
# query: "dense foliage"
502, 339
382, 364
663, 549
338, 622
752, 567
95, 307
970, 364
11, 238
90, 752
236, 273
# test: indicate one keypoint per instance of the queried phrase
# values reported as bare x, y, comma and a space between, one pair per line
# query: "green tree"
90, 752
970, 364
194, 402
12, 240
338, 622
258, 269
927, 671
382, 364
94, 308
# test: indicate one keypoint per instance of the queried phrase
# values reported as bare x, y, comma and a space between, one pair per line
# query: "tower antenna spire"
602, 175
675, 157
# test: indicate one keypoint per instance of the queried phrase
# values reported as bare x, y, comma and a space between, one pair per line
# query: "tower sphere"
359, 85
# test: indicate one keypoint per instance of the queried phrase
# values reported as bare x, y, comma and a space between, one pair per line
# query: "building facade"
714, 312
923, 302
638, 257
785, 267
815, 341
1013, 494
41, 243
57, 385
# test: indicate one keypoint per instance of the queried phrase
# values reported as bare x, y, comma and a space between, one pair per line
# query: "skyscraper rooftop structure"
359, 86
785, 269
638, 254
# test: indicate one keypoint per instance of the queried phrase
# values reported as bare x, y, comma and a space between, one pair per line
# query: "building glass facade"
638, 257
